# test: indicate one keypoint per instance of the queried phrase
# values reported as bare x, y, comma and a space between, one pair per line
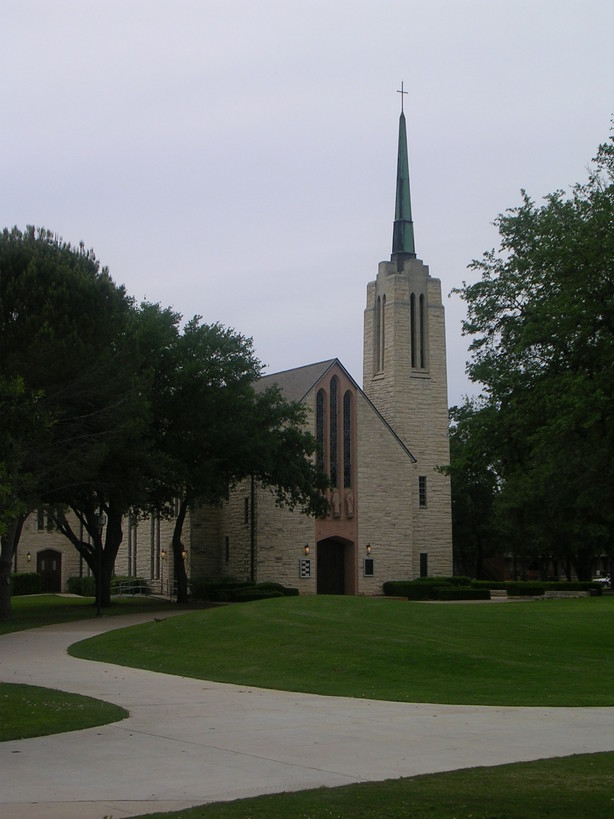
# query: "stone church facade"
381, 445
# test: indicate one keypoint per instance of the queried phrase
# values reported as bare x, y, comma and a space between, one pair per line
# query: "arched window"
347, 439
333, 448
320, 399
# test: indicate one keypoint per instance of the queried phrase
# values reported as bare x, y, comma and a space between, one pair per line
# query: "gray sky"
237, 159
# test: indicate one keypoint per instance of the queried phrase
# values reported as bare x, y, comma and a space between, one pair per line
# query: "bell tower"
404, 374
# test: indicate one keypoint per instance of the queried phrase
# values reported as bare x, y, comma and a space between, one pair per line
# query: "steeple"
403, 246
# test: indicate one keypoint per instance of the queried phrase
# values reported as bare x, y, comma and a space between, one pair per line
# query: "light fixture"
368, 548
28, 557
306, 549
184, 554
163, 554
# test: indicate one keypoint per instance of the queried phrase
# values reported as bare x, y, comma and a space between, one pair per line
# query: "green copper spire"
403, 234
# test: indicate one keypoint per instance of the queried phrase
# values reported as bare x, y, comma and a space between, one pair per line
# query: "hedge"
85, 586
453, 580
25, 583
462, 593
525, 588
229, 590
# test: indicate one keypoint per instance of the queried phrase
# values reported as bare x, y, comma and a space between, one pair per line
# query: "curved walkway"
190, 741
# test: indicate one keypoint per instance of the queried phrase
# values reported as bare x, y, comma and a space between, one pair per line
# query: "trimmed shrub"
412, 589
85, 586
229, 590
455, 580
522, 588
489, 584
249, 594
573, 585
462, 593
25, 583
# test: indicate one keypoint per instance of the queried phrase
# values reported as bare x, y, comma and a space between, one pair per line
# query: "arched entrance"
49, 566
335, 566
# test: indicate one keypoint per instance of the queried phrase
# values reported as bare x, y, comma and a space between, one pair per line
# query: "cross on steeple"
401, 92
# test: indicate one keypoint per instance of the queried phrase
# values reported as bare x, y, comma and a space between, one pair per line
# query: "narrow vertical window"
412, 329
333, 432
154, 544
422, 333
132, 526
383, 335
347, 440
226, 549
40, 519
424, 564
422, 490
320, 398
246, 511
378, 348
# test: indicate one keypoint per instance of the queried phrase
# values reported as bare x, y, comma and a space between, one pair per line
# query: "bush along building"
390, 509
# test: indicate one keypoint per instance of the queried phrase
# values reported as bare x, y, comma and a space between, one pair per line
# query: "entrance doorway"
332, 568
49, 566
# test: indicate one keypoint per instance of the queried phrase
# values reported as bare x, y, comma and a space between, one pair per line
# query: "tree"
542, 318
213, 429
64, 385
475, 485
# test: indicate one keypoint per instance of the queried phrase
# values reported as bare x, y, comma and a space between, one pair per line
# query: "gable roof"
297, 382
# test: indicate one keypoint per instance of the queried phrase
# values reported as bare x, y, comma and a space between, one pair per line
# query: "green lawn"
31, 611
554, 652
546, 652
31, 711
575, 787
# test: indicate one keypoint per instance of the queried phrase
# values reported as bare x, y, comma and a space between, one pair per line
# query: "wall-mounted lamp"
306, 549
184, 554
368, 548
28, 557
163, 554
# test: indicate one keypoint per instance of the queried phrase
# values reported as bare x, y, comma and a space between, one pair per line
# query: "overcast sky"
237, 158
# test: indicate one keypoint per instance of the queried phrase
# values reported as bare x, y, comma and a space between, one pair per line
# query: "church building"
381, 445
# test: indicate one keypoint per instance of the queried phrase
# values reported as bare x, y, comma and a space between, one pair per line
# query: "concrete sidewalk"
190, 741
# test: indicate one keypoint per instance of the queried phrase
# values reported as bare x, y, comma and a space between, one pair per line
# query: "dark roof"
295, 383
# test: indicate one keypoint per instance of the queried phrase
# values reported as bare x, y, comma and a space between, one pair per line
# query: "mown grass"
554, 652
32, 711
32, 611
572, 787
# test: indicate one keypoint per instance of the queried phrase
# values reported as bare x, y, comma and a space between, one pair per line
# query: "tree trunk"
112, 542
8, 545
181, 577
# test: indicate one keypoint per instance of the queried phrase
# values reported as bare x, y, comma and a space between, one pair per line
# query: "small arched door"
49, 566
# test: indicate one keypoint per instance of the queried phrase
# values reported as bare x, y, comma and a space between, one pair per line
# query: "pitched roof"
296, 383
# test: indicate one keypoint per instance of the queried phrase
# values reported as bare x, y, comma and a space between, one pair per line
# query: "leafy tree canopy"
542, 321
